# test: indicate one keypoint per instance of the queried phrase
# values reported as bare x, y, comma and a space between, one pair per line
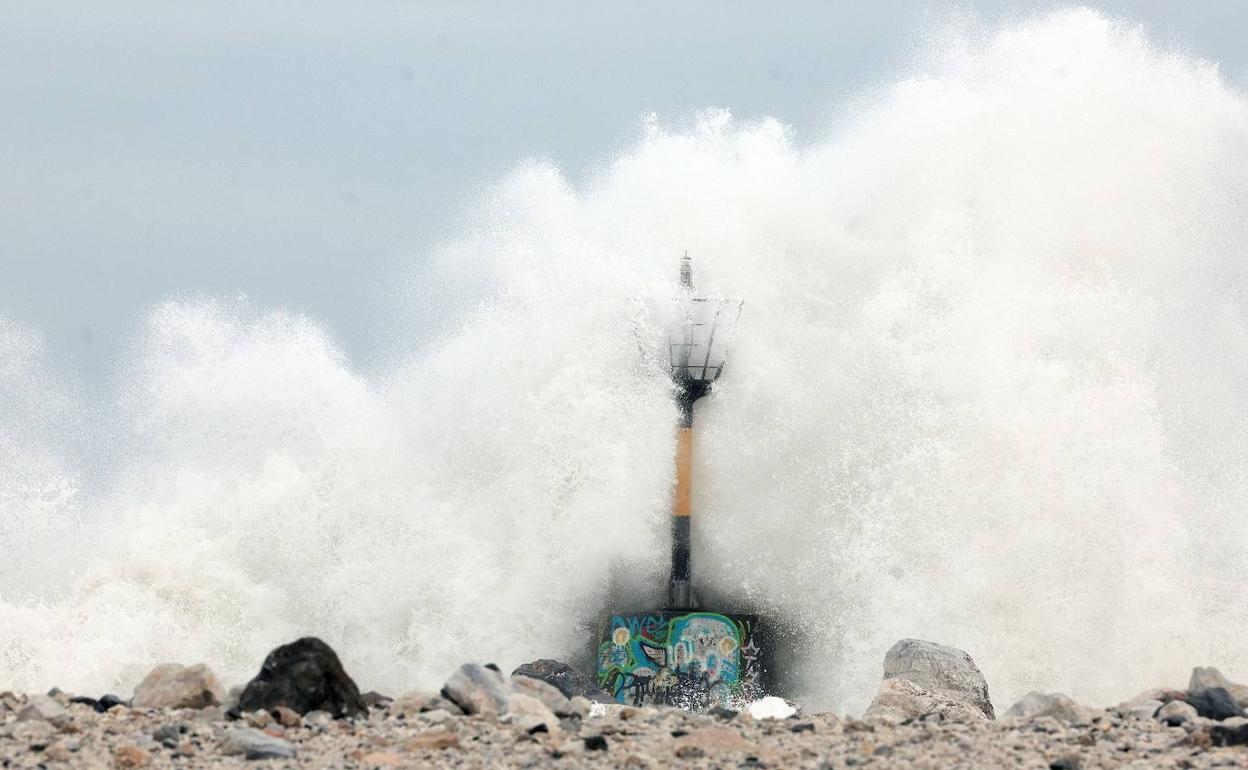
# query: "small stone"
374, 699
1066, 763
287, 717
173, 686
255, 744
530, 714
107, 702
185, 749
43, 708
595, 743
803, 727
169, 735
580, 706
1035, 705
720, 712
433, 740
260, 718
1176, 713
317, 718
131, 756
379, 759
771, 707
57, 752
435, 717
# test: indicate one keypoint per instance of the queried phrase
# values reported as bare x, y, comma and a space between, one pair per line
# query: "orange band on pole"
684, 473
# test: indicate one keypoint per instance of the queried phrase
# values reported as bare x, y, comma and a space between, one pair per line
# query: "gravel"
621, 737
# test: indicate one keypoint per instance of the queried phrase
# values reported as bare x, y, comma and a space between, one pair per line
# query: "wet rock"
173, 686
255, 744
939, 669
1215, 703
43, 708
569, 680
1035, 704
1228, 735
547, 693
900, 700
477, 689
304, 676
530, 714
1176, 713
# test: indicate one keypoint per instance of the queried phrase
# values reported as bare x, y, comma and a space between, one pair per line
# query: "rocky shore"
302, 710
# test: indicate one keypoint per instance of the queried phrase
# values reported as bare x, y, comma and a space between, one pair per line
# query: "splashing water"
988, 390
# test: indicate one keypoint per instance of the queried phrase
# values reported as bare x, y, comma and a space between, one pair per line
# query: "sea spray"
987, 390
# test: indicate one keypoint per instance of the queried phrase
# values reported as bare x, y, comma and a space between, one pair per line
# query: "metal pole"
680, 588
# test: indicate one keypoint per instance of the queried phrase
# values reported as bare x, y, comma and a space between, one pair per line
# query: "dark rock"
595, 743
374, 699
803, 727
304, 676
1066, 763
722, 713
84, 700
108, 701
1215, 703
1221, 735
570, 681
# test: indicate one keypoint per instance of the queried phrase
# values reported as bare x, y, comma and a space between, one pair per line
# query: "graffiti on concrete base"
692, 660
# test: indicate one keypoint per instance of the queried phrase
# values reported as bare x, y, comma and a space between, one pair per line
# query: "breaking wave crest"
988, 389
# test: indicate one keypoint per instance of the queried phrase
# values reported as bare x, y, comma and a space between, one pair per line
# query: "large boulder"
945, 672
900, 700
174, 686
1035, 704
569, 680
478, 689
1206, 677
304, 676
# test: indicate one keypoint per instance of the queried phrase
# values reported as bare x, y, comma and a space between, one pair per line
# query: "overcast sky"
299, 152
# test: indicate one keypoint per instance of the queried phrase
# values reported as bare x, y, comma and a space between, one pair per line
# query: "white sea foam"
988, 390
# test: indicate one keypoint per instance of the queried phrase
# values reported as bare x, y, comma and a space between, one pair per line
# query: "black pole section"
680, 589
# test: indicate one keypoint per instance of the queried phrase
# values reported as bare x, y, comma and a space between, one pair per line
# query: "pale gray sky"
299, 151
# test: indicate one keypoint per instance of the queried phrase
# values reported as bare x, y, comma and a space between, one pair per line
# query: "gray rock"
478, 689
567, 679
900, 699
1034, 705
1143, 708
1176, 713
43, 708
939, 669
545, 692
417, 702
255, 744
174, 686
581, 706
530, 714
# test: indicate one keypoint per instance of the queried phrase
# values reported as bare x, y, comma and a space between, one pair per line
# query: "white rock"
771, 707
173, 686
544, 691
1176, 712
43, 708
